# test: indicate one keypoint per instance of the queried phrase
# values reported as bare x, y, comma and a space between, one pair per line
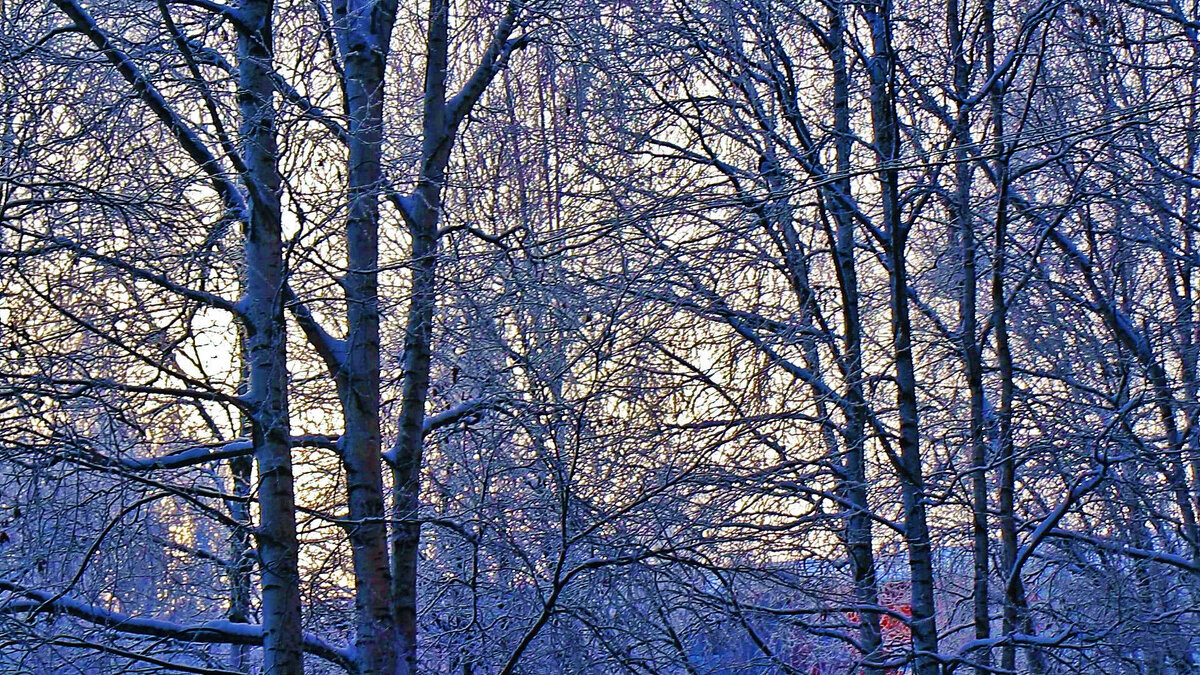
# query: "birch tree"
757, 337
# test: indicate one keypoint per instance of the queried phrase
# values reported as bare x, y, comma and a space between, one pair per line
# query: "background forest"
712, 337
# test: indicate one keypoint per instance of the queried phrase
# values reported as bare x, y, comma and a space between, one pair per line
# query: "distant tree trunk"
886, 141
1013, 593
241, 546
1014, 589
240, 555
267, 345
1005, 446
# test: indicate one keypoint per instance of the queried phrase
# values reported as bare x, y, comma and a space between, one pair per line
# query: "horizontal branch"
42, 385
448, 417
203, 454
159, 664
213, 632
456, 413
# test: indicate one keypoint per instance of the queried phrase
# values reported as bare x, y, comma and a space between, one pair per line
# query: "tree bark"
240, 556
969, 328
886, 141
1015, 607
364, 40
267, 346
858, 538
422, 220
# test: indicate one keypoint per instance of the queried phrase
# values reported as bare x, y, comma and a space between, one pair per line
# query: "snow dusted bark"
261, 308
364, 32
422, 223
209, 632
240, 558
266, 346
422, 213
1006, 449
1015, 607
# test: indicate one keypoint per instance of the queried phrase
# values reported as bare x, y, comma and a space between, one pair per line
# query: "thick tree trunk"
267, 346
364, 48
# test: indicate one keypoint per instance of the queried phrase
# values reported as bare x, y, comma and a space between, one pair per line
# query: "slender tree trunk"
1015, 606
920, 556
859, 541
240, 556
1014, 592
969, 327
410, 444
422, 220
241, 553
267, 346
